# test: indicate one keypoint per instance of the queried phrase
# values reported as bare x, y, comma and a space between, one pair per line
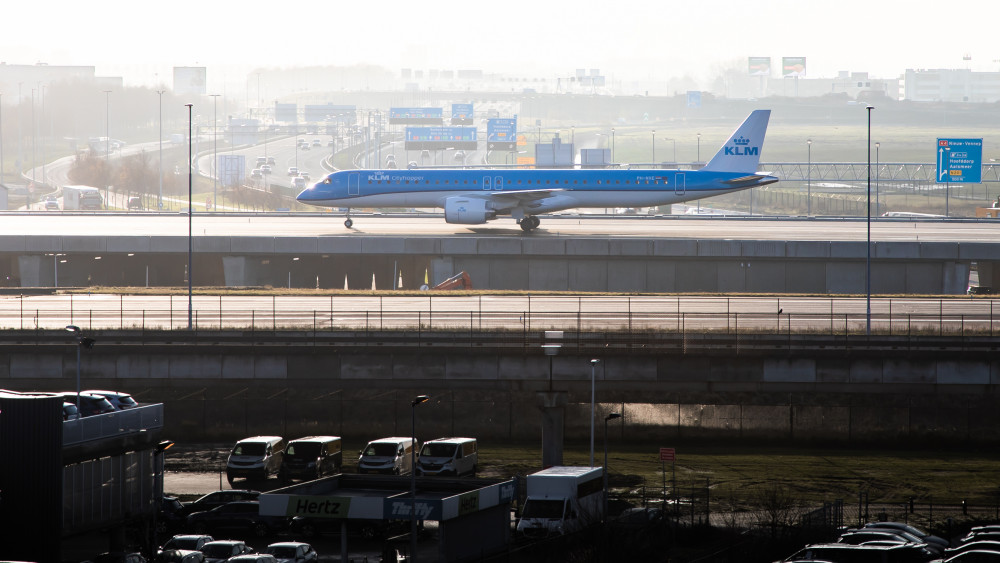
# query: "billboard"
501, 134
759, 66
793, 66
419, 138
190, 80
288, 113
416, 116
461, 114
231, 169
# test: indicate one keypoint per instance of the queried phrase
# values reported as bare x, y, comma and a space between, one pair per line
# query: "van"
391, 456
448, 456
255, 458
311, 458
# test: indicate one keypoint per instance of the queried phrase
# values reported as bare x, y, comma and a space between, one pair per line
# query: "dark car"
187, 542
170, 516
218, 498
90, 405
221, 550
240, 516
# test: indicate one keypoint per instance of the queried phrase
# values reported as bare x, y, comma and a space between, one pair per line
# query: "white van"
258, 457
392, 456
449, 456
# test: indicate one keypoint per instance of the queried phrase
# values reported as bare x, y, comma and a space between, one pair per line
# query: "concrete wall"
221, 393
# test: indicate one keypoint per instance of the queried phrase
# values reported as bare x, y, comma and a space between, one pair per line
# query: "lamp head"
419, 399
612, 416
73, 328
594, 362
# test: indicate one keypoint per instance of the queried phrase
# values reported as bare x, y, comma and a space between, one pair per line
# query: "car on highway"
293, 170
304, 175
51, 204
298, 183
271, 161
256, 174
134, 203
221, 550
305, 146
317, 143
329, 143
265, 169
460, 156
292, 552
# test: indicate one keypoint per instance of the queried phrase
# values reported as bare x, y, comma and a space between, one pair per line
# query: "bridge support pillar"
553, 406
30, 268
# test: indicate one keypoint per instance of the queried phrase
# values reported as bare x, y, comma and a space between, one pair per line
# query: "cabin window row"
657, 181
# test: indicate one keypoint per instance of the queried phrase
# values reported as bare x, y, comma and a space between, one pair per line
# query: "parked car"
187, 542
119, 557
240, 516
170, 516
119, 400
980, 545
253, 558
311, 457
293, 552
928, 538
70, 411
180, 556
257, 457
221, 550
219, 498
90, 405
974, 556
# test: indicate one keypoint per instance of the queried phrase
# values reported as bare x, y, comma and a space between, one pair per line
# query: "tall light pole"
1, 137
81, 342
654, 146
190, 249
33, 138
215, 149
610, 416
413, 474
612, 144
699, 147
809, 200
593, 371
159, 198
868, 246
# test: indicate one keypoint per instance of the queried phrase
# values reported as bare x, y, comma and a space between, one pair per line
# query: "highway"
495, 312
566, 225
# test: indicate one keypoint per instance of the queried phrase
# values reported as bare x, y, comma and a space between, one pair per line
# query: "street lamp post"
868, 246
81, 342
215, 149
1, 137
159, 197
809, 200
593, 371
107, 124
612, 144
654, 146
413, 474
610, 416
699, 147
190, 249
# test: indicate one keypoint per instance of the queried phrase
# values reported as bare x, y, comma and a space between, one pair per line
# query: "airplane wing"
521, 197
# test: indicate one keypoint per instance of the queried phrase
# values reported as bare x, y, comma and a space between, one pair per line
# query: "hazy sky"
627, 39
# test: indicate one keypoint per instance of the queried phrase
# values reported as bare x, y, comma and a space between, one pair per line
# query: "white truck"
562, 500
82, 197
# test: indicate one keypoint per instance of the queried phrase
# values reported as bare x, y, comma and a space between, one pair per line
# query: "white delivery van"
391, 456
258, 457
448, 456
562, 500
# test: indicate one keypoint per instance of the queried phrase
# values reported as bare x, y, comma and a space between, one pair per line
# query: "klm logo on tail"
742, 148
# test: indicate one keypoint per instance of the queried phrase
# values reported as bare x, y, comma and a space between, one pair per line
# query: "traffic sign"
666, 454
959, 161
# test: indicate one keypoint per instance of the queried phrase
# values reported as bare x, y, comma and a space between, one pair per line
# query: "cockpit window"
326, 180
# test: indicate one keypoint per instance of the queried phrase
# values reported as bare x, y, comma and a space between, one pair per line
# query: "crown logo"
741, 141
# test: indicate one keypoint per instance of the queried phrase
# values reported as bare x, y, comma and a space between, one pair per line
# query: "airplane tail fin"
741, 153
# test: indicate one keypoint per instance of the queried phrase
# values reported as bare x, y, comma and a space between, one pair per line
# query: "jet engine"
468, 210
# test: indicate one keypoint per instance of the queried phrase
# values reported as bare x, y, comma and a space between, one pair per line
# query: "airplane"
475, 196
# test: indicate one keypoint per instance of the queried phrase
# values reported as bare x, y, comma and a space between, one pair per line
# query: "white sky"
629, 40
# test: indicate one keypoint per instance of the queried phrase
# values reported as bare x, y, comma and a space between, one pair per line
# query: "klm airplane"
475, 196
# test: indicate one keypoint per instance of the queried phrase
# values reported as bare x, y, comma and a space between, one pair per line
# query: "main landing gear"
529, 223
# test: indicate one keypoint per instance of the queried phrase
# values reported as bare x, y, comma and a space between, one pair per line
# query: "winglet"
741, 153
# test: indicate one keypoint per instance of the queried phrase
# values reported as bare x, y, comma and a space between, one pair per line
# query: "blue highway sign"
959, 161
